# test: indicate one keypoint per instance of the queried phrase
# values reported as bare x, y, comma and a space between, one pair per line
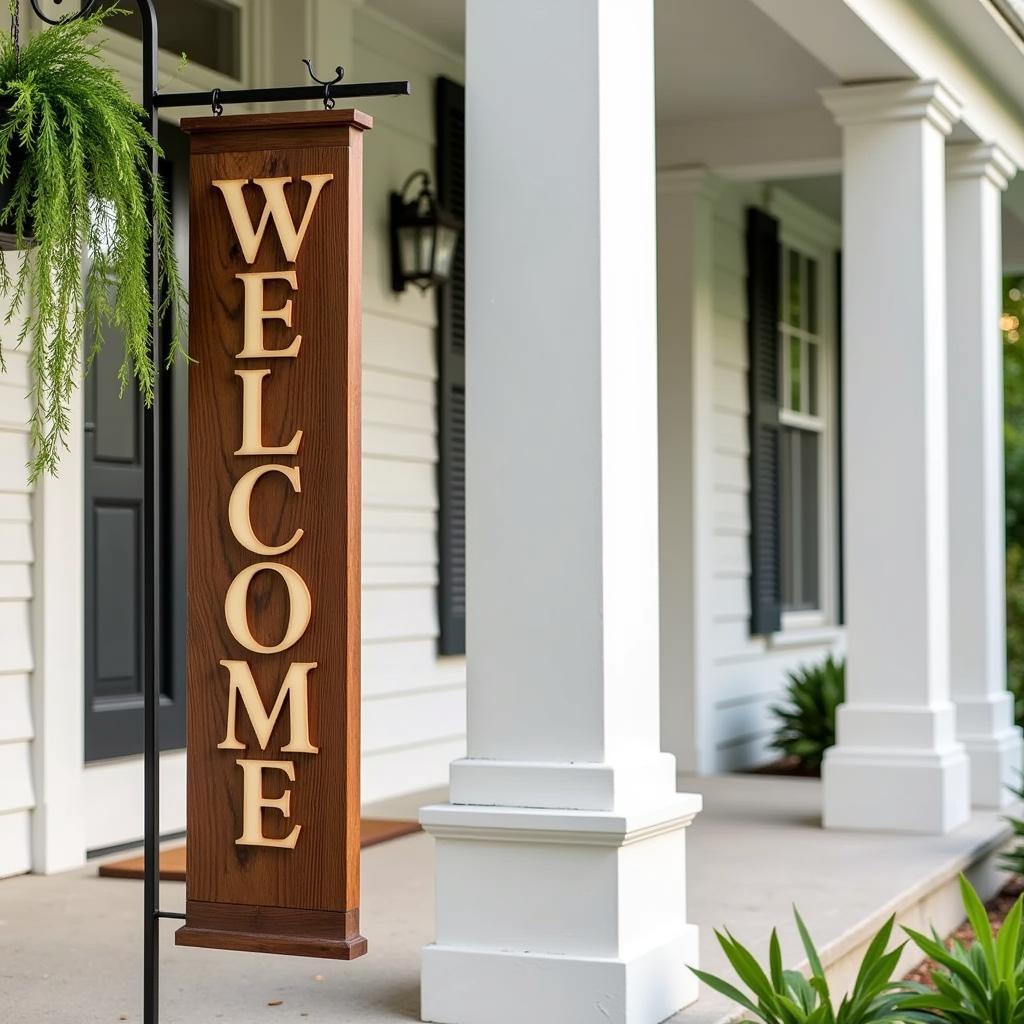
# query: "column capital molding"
880, 102
966, 160
695, 179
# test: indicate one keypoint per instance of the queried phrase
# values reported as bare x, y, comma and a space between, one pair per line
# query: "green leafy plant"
980, 984
778, 996
807, 721
1013, 859
75, 156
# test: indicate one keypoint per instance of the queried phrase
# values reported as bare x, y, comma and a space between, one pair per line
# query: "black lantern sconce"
423, 236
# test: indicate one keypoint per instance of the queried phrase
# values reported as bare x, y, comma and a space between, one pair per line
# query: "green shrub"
1013, 439
1013, 859
982, 984
807, 721
1015, 627
779, 996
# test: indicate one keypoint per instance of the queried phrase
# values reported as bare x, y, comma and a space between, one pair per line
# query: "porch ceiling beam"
788, 144
958, 42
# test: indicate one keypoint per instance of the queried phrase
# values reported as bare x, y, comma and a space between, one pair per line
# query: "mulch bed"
998, 907
791, 766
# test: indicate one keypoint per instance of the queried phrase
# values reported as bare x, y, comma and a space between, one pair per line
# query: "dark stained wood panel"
306, 897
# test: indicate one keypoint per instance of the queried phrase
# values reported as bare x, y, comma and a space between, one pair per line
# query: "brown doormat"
172, 861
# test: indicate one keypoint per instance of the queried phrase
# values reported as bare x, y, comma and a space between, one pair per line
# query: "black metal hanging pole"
152, 548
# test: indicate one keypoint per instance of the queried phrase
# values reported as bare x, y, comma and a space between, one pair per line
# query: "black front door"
114, 518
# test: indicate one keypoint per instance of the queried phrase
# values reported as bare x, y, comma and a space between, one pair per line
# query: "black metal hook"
86, 10
215, 103
339, 75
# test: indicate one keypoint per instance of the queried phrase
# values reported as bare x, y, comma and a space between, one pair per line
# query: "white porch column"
976, 176
897, 763
560, 860
686, 422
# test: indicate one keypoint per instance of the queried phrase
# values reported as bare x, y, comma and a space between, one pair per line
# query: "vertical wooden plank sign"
273, 546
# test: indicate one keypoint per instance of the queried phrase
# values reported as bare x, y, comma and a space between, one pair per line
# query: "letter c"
240, 509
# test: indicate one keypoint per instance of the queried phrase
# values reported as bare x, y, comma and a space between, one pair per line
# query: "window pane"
795, 375
787, 512
812, 378
799, 520
794, 297
809, 582
208, 32
812, 296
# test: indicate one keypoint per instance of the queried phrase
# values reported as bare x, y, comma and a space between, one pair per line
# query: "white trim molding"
894, 101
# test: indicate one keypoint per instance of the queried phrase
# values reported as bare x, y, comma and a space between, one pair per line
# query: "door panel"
114, 523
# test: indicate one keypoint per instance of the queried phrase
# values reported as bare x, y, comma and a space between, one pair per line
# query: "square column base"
559, 916
470, 986
896, 791
995, 767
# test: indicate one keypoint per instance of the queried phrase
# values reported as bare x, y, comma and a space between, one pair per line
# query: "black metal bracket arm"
86, 9
292, 94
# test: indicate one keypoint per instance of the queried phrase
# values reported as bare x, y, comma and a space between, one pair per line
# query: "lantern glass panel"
409, 249
426, 250
447, 239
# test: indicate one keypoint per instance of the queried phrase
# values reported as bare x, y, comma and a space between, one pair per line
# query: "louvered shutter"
451, 316
765, 432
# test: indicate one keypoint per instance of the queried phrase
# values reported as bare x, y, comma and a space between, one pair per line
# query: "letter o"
300, 607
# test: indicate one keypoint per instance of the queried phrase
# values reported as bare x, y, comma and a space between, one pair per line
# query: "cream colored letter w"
276, 206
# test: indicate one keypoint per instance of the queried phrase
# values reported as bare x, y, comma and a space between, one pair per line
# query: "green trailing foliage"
75, 149
807, 721
980, 984
778, 996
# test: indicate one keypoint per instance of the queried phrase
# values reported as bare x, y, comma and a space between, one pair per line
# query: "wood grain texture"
255, 929
317, 392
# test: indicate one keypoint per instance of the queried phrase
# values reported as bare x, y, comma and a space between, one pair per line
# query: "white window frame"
122, 50
816, 238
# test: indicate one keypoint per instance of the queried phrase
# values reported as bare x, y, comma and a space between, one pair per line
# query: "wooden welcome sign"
274, 534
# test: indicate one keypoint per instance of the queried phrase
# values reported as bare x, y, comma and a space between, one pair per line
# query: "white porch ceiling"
713, 58
726, 58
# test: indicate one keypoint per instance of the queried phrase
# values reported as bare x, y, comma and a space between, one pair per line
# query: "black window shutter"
765, 432
450, 109
840, 540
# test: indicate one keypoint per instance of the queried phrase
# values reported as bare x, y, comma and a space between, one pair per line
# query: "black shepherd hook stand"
154, 532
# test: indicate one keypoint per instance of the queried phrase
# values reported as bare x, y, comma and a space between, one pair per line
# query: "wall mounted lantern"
423, 236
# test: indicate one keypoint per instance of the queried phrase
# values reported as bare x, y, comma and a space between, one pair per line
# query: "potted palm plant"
75, 191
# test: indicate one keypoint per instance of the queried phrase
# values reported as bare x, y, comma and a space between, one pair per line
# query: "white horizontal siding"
414, 714
16, 556
748, 672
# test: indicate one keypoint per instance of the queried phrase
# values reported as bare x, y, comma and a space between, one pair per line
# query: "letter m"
294, 689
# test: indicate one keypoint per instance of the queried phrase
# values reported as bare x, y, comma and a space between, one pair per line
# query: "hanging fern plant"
76, 184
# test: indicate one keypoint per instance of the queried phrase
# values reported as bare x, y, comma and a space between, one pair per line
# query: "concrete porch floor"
70, 945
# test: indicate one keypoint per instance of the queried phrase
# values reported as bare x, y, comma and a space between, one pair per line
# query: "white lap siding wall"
16, 557
414, 703
749, 672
